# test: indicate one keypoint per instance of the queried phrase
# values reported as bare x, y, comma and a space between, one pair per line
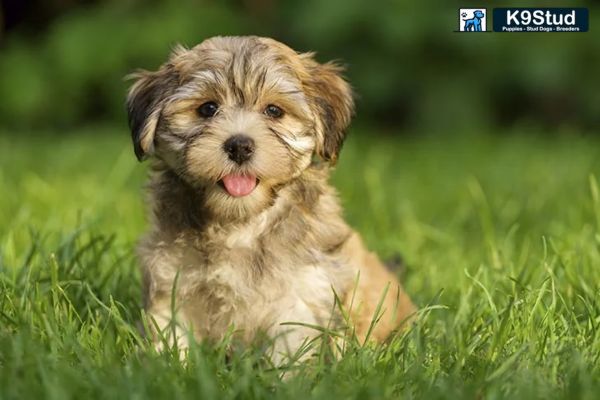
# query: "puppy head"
238, 118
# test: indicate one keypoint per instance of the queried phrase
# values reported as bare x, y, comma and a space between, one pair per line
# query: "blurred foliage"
408, 67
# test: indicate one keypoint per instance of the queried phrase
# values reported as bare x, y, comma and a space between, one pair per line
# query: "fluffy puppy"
246, 231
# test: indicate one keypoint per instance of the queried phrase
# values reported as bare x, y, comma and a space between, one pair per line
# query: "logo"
472, 20
541, 19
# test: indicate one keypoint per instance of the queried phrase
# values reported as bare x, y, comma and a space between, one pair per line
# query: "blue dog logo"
474, 24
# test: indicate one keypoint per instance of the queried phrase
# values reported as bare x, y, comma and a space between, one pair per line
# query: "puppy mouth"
238, 185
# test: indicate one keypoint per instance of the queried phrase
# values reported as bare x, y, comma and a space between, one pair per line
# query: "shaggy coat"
250, 235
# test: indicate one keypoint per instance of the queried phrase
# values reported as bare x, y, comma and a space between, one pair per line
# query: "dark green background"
62, 62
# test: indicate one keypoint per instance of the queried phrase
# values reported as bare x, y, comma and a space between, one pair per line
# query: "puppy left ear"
144, 105
333, 104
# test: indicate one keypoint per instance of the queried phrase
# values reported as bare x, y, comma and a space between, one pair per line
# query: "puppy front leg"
168, 326
291, 333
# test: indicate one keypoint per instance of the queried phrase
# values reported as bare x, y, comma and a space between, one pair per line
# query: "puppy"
246, 231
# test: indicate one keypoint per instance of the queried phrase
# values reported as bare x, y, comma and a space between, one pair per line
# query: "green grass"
500, 235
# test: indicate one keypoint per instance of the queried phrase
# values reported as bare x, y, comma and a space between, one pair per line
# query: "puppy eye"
273, 111
208, 109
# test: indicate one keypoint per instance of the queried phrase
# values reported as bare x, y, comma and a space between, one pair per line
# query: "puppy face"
239, 117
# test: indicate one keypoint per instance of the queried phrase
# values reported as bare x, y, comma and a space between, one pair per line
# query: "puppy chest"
254, 291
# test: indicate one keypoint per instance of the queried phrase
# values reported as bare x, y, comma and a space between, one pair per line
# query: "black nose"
239, 148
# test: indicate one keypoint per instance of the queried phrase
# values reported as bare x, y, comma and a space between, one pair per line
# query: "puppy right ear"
144, 106
333, 102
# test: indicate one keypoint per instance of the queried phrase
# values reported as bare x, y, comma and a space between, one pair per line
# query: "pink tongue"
239, 185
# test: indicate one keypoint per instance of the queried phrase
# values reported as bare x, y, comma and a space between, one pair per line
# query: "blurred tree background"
62, 62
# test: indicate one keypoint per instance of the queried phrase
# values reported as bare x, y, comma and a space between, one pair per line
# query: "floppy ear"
144, 105
333, 104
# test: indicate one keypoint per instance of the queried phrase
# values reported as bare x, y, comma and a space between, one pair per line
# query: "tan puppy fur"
252, 260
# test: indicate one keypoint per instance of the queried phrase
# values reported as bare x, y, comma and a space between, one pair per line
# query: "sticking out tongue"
239, 185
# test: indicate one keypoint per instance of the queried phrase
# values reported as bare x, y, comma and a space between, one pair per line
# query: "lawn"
500, 236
